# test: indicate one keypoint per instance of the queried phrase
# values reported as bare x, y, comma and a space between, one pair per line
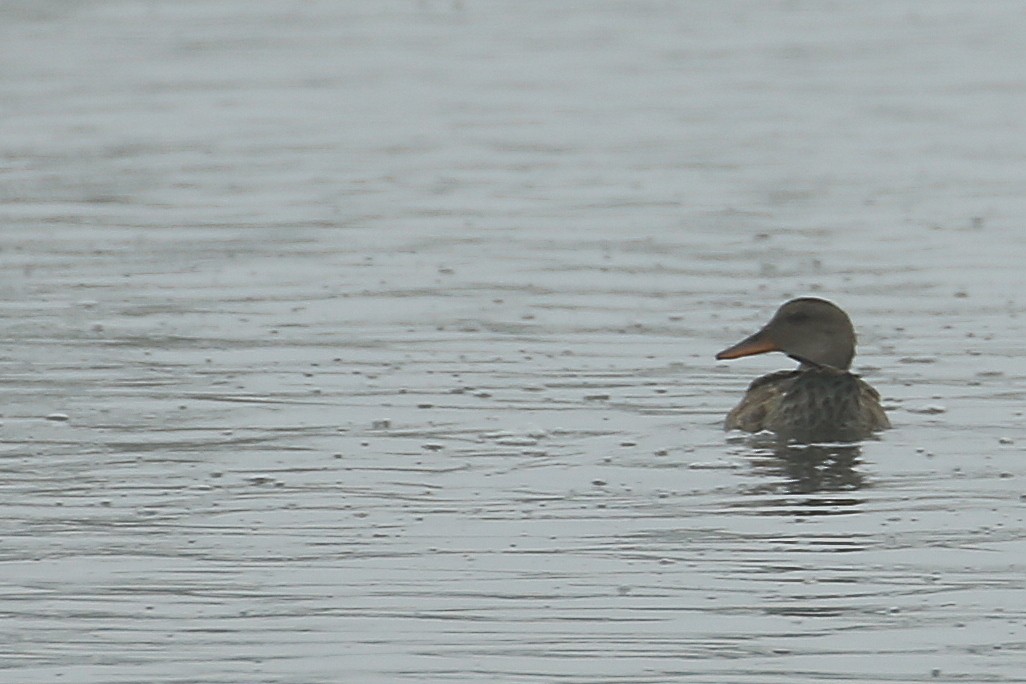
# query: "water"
373, 342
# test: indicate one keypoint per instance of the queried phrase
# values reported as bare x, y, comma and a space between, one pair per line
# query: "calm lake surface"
373, 341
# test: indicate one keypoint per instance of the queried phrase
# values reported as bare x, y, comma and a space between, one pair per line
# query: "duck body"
821, 400
810, 405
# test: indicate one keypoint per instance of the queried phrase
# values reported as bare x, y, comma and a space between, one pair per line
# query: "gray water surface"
373, 341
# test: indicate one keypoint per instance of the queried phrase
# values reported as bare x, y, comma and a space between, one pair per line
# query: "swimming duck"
821, 400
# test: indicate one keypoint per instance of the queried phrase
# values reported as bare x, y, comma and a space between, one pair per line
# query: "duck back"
810, 405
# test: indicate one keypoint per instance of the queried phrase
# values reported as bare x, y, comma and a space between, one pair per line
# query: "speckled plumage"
810, 405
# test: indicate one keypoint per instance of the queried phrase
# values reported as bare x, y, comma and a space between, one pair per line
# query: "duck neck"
806, 365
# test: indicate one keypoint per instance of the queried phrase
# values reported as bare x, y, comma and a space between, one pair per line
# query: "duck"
821, 400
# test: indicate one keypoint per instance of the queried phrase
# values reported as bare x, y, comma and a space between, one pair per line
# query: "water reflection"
818, 471
810, 468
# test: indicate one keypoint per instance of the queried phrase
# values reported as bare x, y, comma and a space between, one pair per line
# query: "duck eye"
798, 317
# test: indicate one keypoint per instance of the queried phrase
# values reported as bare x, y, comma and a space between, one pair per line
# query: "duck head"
812, 331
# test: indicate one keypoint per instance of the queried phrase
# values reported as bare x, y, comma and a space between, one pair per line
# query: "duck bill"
759, 343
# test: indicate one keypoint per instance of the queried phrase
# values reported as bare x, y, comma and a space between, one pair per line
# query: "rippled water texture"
373, 341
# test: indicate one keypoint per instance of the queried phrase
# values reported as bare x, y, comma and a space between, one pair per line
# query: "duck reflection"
811, 468
824, 477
